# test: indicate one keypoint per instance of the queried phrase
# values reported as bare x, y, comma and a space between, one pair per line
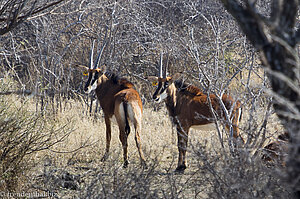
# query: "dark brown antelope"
275, 153
118, 98
190, 108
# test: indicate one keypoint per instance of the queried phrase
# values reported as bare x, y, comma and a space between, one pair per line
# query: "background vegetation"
51, 140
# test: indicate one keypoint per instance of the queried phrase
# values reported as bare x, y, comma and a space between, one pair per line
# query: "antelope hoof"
180, 169
126, 163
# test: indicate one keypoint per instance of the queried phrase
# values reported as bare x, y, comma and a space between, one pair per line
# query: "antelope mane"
187, 88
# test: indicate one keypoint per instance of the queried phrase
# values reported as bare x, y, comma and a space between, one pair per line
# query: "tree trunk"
276, 39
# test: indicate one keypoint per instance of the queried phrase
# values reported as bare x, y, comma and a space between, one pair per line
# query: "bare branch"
18, 15
252, 28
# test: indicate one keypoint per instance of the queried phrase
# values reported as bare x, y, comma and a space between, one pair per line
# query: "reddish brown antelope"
118, 98
189, 108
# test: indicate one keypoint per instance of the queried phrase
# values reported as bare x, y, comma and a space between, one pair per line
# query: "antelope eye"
154, 84
85, 73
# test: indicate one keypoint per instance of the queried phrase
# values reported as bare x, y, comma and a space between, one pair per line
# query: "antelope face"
160, 93
93, 71
162, 85
92, 82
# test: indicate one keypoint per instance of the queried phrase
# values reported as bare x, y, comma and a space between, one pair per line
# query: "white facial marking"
92, 87
164, 95
161, 97
157, 100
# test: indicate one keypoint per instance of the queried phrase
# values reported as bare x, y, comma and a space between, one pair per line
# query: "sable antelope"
276, 152
117, 97
189, 108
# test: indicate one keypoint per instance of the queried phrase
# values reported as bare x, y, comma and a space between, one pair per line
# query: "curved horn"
161, 65
92, 55
99, 55
97, 60
87, 84
166, 66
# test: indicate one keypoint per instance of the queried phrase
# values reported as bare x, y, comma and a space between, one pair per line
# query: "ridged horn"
97, 60
99, 55
161, 65
92, 55
87, 84
166, 66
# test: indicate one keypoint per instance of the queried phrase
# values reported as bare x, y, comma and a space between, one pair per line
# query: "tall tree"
276, 38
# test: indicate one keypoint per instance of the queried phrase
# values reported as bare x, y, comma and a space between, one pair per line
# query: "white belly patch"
205, 127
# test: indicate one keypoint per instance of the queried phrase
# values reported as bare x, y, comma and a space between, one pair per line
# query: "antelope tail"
127, 126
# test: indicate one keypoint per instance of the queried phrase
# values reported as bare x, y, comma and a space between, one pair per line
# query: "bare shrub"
238, 176
158, 181
22, 134
115, 182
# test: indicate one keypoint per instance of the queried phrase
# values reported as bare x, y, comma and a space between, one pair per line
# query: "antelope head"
162, 83
93, 72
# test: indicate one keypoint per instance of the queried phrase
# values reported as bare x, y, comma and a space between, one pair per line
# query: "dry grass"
72, 168
159, 139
